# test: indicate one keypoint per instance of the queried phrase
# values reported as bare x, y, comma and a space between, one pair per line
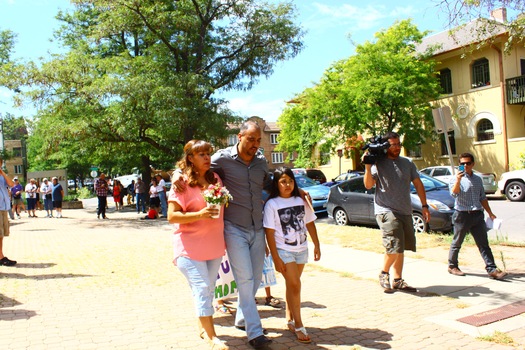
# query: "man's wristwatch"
425, 206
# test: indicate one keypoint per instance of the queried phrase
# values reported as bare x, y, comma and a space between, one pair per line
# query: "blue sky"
328, 24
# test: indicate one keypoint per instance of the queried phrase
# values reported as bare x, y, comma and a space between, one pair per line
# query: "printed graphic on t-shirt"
292, 222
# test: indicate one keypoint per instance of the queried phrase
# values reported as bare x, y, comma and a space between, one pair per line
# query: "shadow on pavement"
34, 265
13, 315
41, 277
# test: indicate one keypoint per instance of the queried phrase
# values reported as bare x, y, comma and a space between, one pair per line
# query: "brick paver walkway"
83, 283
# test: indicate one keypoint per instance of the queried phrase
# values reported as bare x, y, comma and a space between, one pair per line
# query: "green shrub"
84, 193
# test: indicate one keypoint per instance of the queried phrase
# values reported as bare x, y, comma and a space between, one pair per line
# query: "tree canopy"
140, 78
385, 86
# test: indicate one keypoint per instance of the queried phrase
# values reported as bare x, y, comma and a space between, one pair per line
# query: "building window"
291, 157
18, 169
232, 139
17, 152
277, 157
480, 73
415, 153
273, 139
485, 130
326, 158
445, 79
451, 140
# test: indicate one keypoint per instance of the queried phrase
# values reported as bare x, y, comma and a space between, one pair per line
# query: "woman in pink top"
198, 239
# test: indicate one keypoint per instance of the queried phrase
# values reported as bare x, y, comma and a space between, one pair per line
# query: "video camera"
377, 147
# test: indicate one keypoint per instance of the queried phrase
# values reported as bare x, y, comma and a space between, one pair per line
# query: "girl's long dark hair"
277, 174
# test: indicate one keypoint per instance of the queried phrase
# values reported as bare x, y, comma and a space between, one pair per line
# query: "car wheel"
340, 217
515, 191
420, 225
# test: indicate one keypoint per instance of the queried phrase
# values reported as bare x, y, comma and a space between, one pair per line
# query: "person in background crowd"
31, 192
57, 196
117, 193
38, 204
101, 188
152, 214
161, 190
154, 201
5, 206
46, 190
131, 193
16, 192
141, 192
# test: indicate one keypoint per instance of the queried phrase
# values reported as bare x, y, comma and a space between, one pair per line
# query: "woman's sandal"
305, 340
217, 344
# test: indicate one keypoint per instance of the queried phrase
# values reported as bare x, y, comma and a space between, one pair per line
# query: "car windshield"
430, 183
303, 181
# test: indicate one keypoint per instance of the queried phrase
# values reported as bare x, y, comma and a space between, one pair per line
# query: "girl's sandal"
306, 339
223, 309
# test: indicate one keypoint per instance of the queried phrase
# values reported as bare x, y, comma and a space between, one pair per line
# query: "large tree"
386, 85
140, 77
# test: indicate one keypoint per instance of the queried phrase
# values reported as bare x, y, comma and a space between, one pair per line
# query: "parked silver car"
445, 174
350, 202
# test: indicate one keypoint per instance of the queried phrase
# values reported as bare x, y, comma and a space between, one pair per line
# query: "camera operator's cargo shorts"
4, 224
398, 232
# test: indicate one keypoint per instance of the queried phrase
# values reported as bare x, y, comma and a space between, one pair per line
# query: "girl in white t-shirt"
288, 219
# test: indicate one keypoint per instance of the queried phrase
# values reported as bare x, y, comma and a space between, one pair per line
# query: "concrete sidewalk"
83, 283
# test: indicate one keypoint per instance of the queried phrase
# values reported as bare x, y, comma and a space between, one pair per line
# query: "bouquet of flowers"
217, 194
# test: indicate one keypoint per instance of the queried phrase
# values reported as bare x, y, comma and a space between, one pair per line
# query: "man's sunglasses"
466, 163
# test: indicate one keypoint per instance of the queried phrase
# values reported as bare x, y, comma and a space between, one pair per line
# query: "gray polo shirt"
245, 183
393, 178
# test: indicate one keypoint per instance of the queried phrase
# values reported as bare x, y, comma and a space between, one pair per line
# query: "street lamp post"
340, 155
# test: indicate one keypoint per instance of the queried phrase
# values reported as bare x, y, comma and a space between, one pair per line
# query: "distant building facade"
270, 140
15, 165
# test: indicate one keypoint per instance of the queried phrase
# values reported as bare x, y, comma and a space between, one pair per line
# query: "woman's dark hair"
185, 165
277, 174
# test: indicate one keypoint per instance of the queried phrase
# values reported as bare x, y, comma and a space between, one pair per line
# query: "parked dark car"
343, 177
314, 174
350, 202
319, 193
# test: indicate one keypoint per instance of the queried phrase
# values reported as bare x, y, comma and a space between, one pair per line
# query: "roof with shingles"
459, 37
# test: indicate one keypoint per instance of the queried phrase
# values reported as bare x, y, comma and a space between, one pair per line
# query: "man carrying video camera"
392, 175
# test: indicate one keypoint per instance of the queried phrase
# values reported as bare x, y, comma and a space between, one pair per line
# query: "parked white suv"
512, 184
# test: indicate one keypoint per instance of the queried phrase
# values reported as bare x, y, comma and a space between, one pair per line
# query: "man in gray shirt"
392, 176
243, 170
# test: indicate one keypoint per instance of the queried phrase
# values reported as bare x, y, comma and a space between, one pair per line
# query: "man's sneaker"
403, 286
261, 342
384, 281
455, 271
497, 274
6, 262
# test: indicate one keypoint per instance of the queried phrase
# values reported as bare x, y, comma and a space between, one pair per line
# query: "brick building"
269, 142
15, 165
